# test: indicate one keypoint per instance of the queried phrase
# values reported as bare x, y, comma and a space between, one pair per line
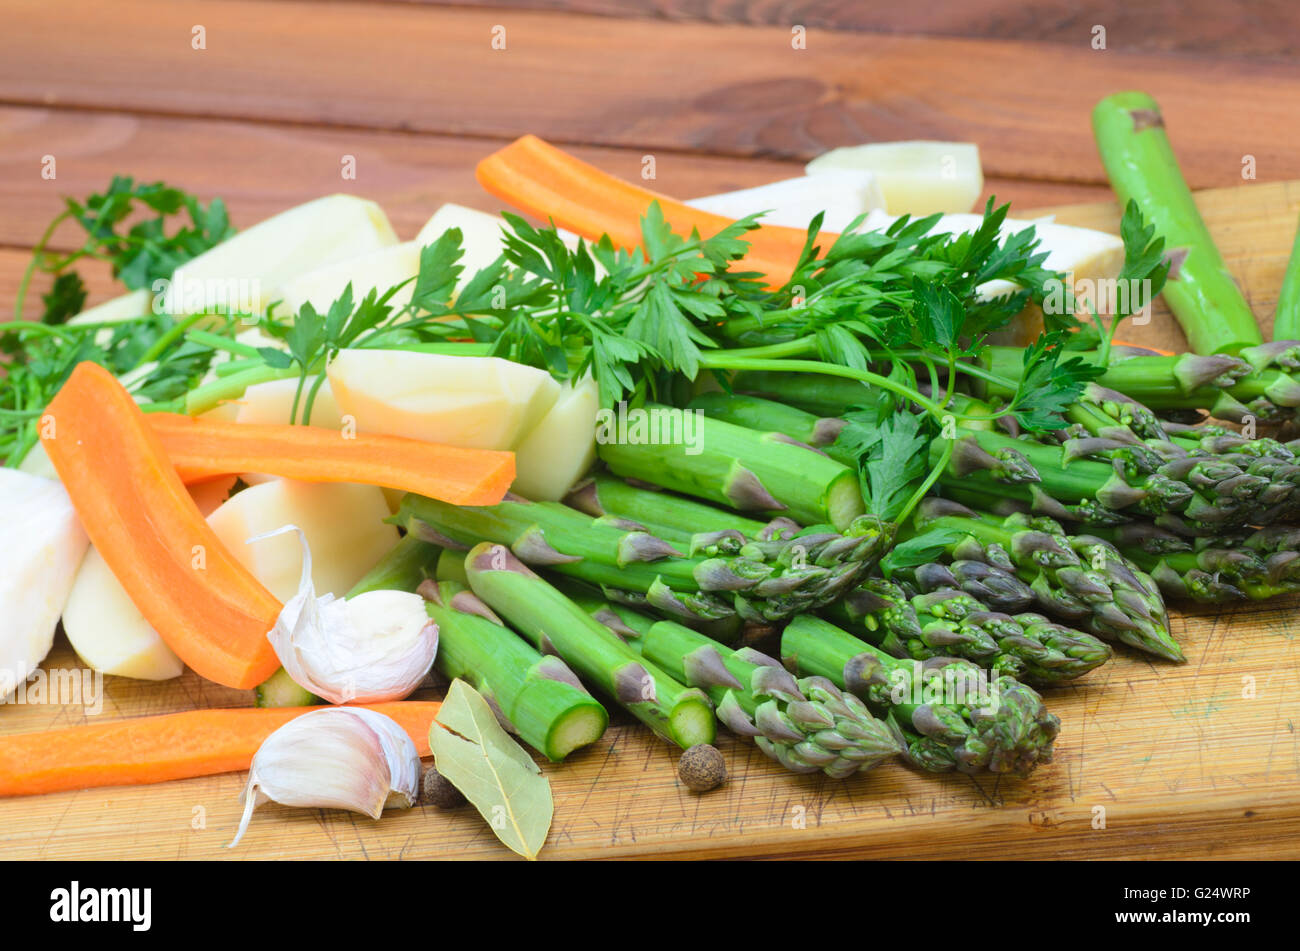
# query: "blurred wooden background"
281, 91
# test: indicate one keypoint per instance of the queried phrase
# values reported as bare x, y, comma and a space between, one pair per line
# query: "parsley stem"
801, 346
37, 252
970, 369
929, 482
24, 445
217, 342
212, 394
166, 340
311, 399
725, 361
46, 330
453, 348
231, 367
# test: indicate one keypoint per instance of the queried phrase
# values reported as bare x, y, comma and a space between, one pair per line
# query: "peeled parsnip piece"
107, 630
344, 525
916, 178
37, 462
373, 271
133, 304
272, 402
472, 402
842, 193
254, 265
480, 235
44, 545
562, 447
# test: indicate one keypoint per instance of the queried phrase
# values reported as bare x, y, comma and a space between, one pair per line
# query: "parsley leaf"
1049, 385
921, 549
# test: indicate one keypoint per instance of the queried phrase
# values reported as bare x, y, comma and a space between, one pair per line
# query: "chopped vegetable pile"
857, 497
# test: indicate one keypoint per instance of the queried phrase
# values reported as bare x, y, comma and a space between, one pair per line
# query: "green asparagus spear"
1286, 320
556, 625
1079, 579
1225, 386
943, 620
807, 726
644, 568
537, 696
764, 415
743, 469
700, 527
952, 715
819, 394
1205, 299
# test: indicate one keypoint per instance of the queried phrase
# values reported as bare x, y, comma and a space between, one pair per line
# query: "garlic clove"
374, 647
403, 760
334, 758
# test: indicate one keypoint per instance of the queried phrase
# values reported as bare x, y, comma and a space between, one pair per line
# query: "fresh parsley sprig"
137, 227
143, 231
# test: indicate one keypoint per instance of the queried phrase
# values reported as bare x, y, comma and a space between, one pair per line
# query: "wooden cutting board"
1154, 760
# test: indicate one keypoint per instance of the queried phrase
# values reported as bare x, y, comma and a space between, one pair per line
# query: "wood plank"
650, 85
1244, 28
1182, 763
1189, 761
410, 175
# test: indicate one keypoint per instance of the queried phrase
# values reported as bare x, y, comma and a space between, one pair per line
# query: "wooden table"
282, 94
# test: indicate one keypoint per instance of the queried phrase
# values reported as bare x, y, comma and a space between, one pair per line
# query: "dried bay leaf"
491, 770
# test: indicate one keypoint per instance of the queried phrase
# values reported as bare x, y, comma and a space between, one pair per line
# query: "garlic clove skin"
374, 647
403, 759
334, 758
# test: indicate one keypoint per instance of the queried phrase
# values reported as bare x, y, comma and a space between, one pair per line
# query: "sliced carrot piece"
548, 183
203, 448
204, 604
157, 749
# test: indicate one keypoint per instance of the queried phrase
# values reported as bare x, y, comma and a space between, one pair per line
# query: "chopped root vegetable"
469, 401
344, 524
562, 447
915, 178
548, 183
203, 448
839, 195
43, 545
272, 402
376, 270
108, 632
204, 604
157, 749
273, 252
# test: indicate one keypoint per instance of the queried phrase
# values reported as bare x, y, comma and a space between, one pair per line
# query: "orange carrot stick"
205, 605
157, 749
202, 448
548, 183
